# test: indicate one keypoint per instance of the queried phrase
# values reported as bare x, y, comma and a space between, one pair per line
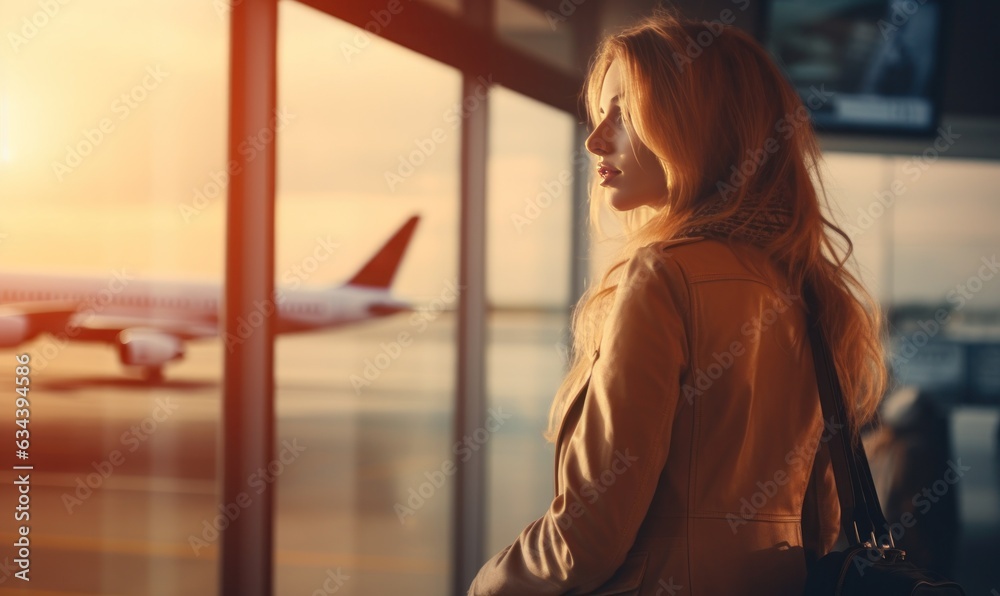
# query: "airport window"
374, 141
529, 197
110, 114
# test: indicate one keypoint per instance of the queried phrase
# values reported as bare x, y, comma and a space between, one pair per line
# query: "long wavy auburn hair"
704, 113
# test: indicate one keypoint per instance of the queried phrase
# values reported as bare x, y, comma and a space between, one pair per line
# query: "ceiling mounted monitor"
877, 63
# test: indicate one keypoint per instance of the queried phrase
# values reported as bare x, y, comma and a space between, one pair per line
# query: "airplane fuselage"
122, 297
149, 321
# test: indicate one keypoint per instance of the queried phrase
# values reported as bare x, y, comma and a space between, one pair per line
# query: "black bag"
868, 566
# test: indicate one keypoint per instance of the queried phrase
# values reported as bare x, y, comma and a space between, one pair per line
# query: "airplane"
149, 321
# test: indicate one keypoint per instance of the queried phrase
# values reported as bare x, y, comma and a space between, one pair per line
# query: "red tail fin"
379, 271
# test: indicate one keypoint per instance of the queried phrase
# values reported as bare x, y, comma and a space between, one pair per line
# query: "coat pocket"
627, 579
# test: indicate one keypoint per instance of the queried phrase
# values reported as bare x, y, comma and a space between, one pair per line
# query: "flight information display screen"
876, 63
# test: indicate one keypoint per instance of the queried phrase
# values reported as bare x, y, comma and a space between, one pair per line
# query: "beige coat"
683, 463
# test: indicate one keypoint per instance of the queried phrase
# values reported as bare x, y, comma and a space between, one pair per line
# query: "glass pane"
373, 141
529, 198
919, 225
112, 132
851, 180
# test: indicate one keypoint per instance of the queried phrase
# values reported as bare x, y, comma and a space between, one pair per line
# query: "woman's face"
632, 175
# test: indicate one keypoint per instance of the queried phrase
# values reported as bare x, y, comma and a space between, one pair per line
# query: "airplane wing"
107, 328
23, 321
20, 322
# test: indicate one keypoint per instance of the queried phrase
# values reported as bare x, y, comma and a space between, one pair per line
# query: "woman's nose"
597, 143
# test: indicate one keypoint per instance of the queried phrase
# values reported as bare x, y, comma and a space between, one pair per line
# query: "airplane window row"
144, 300
123, 300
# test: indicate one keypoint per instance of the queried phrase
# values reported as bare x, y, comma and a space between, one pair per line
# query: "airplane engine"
146, 347
14, 329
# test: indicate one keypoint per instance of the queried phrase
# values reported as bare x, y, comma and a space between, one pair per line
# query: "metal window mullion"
247, 438
468, 522
470, 403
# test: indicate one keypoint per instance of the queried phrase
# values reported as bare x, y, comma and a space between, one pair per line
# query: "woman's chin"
624, 201
620, 201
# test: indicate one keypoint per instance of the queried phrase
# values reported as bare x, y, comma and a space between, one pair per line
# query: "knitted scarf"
746, 225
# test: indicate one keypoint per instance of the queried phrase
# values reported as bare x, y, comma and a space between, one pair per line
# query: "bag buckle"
874, 544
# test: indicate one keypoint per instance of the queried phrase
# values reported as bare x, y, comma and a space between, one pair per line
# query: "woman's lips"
607, 173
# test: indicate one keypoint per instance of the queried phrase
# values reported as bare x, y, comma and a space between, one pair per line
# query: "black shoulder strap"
861, 515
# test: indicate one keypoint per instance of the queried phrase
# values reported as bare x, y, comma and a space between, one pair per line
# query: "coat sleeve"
613, 459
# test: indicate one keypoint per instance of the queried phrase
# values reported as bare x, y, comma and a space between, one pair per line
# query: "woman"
688, 431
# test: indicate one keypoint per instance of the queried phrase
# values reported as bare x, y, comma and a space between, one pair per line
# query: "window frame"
469, 43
